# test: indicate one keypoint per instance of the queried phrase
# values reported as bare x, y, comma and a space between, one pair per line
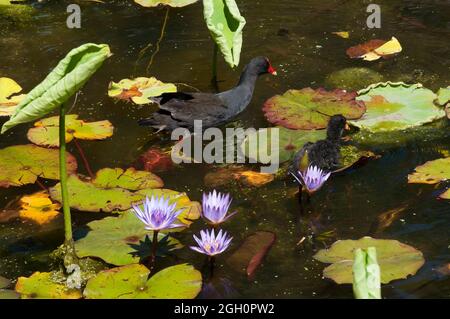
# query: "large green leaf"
397, 106
309, 109
366, 274
121, 240
396, 260
225, 24
131, 282
66, 79
171, 3
431, 172
23, 164
40, 285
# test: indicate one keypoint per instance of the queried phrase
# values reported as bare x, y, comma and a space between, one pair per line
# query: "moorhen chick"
181, 109
324, 154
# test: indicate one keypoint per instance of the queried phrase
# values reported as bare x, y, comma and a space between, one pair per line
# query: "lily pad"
353, 79
431, 172
23, 164
139, 90
130, 179
443, 96
397, 106
41, 286
309, 109
8, 96
121, 240
39, 208
130, 282
225, 24
46, 131
171, 3
396, 260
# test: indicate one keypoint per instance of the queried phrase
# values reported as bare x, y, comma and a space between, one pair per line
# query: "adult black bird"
324, 154
182, 109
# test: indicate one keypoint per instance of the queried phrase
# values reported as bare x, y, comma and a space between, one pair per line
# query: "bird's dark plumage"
182, 109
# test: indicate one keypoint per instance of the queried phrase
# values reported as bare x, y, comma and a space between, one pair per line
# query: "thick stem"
214, 68
63, 176
84, 159
154, 249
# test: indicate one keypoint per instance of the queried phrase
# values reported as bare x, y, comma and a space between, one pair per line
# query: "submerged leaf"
225, 24
155, 160
8, 98
239, 174
353, 79
309, 109
39, 208
139, 90
396, 260
23, 164
397, 106
171, 3
131, 282
66, 79
41, 286
46, 131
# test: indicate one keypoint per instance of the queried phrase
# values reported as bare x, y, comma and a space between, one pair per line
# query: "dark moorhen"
181, 109
324, 154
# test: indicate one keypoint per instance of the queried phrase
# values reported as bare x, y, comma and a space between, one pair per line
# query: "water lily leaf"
121, 240
130, 179
396, 260
171, 3
130, 282
66, 79
225, 24
397, 106
39, 208
309, 109
46, 131
375, 49
342, 34
8, 98
443, 96
251, 253
41, 286
431, 172
139, 90
23, 164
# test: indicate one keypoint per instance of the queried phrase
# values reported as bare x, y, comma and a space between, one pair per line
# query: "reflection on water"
296, 36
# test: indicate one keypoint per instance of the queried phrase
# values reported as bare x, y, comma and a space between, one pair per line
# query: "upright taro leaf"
225, 23
66, 79
366, 274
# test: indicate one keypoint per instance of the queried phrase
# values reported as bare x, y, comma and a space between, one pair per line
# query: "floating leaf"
366, 274
66, 79
396, 260
171, 3
46, 131
309, 109
375, 49
342, 34
41, 286
139, 90
251, 253
8, 98
121, 240
39, 208
397, 106
130, 179
443, 96
131, 282
225, 24
431, 172
23, 164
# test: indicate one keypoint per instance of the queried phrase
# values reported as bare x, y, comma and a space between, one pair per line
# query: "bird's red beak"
271, 70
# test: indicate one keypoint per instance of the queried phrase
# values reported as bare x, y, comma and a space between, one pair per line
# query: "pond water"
297, 37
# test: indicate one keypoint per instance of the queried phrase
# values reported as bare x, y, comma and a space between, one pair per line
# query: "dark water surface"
304, 52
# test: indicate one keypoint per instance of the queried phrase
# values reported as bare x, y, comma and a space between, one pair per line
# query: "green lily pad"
130, 282
23, 164
309, 109
225, 24
396, 260
443, 96
139, 90
130, 179
171, 3
8, 96
431, 172
121, 240
46, 131
397, 106
41, 286
353, 79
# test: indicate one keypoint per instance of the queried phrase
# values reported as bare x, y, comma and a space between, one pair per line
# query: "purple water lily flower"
215, 207
312, 179
158, 214
210, 244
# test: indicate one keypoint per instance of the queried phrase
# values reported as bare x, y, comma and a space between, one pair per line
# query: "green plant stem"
63, 176
154, 249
